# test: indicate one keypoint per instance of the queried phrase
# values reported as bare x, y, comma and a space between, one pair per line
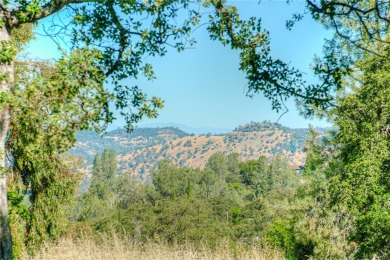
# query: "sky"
202, 86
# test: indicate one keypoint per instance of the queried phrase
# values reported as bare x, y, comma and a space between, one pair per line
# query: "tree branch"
48, 9
122, 38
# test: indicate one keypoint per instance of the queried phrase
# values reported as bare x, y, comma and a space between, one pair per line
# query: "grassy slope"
140, 151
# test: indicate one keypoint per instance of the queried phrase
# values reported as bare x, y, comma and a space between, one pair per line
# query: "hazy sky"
203, 86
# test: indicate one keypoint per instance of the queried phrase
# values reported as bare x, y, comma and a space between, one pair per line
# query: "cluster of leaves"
273, 78
125, 32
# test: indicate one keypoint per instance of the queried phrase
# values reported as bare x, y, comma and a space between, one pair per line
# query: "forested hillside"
226, 202
140, 151
231, 196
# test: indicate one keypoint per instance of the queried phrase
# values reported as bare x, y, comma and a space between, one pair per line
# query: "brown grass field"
111, 247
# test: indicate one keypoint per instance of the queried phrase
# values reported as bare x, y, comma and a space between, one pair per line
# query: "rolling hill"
140, 151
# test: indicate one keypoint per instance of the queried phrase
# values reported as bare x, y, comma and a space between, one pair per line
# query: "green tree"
172, 182
362, 184
97, 166
358, 159
256, 175
41, 131
108, 163
233, 164
218, 164
281, 175
249, 171
108, 196
182, 219
103, 178
209, 183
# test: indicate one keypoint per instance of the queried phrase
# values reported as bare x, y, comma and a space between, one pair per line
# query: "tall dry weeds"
112, 247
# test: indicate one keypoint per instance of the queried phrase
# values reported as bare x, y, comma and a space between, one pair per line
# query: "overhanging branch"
46, 10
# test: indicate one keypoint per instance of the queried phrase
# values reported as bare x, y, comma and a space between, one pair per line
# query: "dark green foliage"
172, 182
362, 182
233, 164
46, 113
280, 234
188, 220
101, 201
19, 214
262, 176
108, 164
187, 143
199, 206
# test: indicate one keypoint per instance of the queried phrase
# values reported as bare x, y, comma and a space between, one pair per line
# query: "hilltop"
90, 143
140, 151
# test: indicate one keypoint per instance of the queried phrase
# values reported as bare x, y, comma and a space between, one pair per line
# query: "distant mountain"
189, 129
140, 151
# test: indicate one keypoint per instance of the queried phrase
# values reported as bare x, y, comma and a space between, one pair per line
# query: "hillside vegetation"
139, 152
228, 209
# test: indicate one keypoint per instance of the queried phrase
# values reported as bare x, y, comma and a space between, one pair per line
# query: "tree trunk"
6, 68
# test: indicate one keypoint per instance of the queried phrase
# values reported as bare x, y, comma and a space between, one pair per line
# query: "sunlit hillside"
140, 151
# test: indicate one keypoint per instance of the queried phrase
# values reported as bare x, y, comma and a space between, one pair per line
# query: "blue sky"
203, 86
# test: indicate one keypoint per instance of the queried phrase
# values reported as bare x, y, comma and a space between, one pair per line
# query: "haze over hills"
140, 151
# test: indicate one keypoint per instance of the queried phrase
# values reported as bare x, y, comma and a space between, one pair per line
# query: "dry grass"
196, 157
114, 248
